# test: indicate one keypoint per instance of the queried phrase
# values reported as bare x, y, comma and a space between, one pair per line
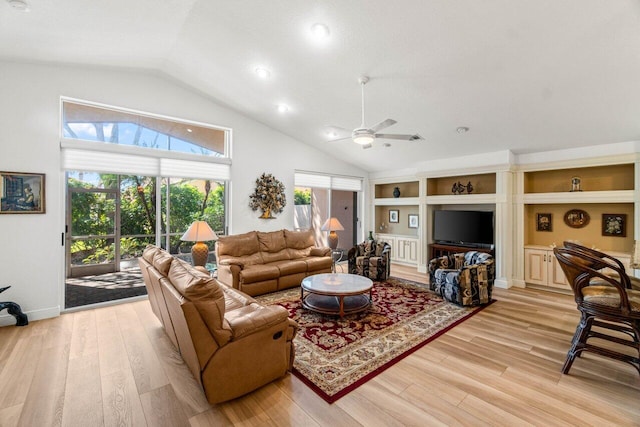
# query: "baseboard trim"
45, 313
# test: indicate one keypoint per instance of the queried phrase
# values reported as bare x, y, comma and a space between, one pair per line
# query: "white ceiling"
523, 75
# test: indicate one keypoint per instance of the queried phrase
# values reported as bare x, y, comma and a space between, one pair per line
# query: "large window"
92, 123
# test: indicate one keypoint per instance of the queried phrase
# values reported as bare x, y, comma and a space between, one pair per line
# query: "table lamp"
331, 225
199, 232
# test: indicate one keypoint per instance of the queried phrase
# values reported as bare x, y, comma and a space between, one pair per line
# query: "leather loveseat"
261, 262
231, 344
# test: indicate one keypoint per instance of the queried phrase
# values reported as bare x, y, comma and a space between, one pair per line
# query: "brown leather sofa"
258, 263
232, 344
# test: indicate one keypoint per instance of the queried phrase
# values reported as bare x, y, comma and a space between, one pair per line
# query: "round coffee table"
336, 293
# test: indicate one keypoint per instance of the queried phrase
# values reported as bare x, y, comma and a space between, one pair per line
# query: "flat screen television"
467, 228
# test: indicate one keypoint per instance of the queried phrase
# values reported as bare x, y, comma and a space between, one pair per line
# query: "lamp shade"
199, 231
332, 224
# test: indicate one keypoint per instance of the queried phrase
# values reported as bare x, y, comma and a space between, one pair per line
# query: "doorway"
93, 241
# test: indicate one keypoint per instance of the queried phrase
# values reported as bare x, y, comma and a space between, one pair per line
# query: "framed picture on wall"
394, 215
543, 222
413, 220
614, 225
21, 193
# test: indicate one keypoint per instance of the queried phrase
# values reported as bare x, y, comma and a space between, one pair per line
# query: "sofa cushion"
273, 246
288, 267
207, 296
162, 260
317, 263
149, 252
272, 241
299, 243
235, 299
193, 284
259, 273
238, 245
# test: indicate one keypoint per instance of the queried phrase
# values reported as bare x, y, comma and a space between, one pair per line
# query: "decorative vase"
371, 235
396, 192
266, 214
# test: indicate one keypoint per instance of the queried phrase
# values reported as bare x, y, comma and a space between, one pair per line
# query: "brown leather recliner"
232, 344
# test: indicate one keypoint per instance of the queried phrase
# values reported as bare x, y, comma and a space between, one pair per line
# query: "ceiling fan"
365, 136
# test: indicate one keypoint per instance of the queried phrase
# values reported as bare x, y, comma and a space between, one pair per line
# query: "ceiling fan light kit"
365, 136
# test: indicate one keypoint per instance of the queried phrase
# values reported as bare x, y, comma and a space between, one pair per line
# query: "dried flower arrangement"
268, 196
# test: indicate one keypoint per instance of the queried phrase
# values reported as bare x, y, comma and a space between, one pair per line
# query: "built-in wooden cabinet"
407, 252
542, 268
404, 249
600, 190
393, 203
517, 194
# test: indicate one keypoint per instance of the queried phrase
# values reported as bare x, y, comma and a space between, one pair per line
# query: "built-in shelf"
409, 189
596, 179
481, 184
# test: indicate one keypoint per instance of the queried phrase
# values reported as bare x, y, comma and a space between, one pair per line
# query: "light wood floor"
115, 366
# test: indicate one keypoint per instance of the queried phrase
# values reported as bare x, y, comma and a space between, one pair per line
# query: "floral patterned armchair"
371, 259
463, 278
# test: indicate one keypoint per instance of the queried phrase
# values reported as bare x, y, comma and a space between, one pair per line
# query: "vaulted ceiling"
522, 75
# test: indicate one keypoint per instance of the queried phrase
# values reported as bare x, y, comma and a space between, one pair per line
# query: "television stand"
437, 250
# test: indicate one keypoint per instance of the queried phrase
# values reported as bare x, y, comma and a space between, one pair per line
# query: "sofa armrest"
320, 251
232, 262
254, 318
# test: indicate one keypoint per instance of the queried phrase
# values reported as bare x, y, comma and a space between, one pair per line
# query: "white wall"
31, 254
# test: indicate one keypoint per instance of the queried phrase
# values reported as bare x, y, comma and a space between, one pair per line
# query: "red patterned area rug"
334, 356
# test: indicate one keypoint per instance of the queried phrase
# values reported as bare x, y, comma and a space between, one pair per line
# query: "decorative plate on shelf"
576, 218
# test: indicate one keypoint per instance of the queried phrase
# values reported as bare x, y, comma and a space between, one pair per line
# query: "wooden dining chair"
612, 307
607, 261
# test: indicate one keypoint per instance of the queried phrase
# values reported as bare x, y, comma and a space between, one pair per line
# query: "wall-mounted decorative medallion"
576, 218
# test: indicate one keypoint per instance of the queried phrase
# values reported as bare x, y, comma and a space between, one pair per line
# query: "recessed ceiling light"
20, 5
189, 130
320, 31
262, 72
462, 129
283, 108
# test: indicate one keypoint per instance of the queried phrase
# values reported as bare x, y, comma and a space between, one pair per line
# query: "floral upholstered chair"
463, 278
370, 259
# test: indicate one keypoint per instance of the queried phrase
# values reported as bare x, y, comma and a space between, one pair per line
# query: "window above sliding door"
102, 124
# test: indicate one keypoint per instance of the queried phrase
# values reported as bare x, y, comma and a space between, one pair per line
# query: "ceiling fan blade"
383, 124
414, 137
337, 129
339, 139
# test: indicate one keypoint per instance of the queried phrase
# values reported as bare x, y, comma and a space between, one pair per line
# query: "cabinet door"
535, 266
556, 277
407, 250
